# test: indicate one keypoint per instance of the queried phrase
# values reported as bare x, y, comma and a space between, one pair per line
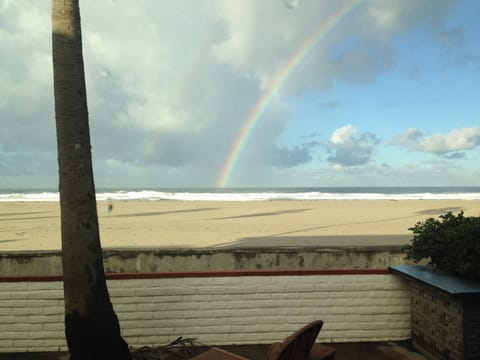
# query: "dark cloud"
455, 156
286, 157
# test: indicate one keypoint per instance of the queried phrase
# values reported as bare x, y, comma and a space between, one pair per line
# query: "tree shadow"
342, 224
271, 213
440, 211
9, 240
23, 213
160, 213
27, 218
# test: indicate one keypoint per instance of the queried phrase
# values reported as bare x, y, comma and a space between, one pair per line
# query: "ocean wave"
153, 195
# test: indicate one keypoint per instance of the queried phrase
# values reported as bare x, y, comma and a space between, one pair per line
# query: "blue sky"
390, 97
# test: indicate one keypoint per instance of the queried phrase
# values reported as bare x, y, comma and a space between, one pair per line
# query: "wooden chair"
216, 353
298, 346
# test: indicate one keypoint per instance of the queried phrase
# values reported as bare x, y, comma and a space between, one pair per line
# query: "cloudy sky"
385, 93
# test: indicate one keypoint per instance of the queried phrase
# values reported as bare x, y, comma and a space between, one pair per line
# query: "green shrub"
451, 244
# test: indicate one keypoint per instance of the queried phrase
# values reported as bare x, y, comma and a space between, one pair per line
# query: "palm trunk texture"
91, 325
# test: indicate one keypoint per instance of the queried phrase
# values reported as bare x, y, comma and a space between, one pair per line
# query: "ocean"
259, 194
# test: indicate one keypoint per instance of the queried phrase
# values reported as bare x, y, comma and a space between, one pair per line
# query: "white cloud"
349, 148
388, 17
410, 136
456, 140
449, 145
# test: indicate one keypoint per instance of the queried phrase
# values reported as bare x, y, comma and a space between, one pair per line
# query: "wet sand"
200, 224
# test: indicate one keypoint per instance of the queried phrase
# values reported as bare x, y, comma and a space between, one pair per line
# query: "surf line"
277, 82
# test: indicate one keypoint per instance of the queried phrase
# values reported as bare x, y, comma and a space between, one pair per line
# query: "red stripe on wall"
205, 274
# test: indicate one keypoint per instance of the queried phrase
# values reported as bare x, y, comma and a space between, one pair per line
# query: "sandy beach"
223, 224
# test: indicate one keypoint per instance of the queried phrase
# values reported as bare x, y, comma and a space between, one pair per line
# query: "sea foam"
260, 195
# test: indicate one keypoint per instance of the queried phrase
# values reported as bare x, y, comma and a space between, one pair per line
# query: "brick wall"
217, 308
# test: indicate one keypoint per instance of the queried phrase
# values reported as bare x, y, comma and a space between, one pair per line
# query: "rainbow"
277, 82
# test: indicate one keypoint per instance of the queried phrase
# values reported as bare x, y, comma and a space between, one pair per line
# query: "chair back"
298, 345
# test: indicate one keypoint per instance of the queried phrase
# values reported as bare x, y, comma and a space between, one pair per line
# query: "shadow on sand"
160, 213
333, 241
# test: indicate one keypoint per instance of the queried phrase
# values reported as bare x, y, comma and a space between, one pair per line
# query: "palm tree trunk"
91, 325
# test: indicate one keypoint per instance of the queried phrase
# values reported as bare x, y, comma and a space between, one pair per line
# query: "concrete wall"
174, 260
217, 308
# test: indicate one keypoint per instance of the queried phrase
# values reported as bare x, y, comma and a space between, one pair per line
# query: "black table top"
453, 285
